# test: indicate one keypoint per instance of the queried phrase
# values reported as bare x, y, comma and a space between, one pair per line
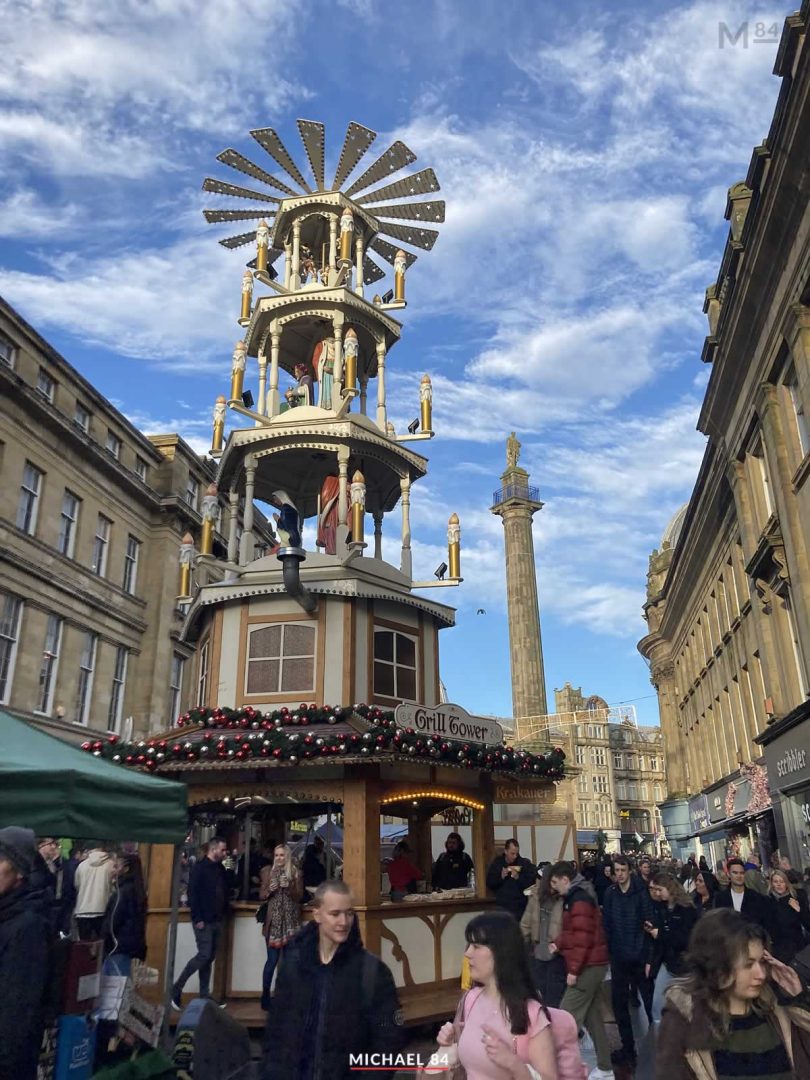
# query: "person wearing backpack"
333, 1000
501, 1027
583, 947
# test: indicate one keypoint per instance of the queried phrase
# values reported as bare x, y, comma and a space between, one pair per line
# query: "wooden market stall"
361, 767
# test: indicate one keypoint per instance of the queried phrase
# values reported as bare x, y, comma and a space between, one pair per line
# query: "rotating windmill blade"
405, 218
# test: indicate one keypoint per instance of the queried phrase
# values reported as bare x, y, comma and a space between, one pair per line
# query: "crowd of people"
707, 955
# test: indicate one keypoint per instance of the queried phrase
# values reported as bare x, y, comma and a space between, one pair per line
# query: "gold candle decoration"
238, 369
186, 559
247, 294
454, 546
219, 425
346, 232
358, 501
400, 266
210, 509
262, 245
350, 347
426, 403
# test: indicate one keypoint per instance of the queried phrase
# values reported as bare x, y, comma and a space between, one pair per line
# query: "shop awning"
58, 790
728, 823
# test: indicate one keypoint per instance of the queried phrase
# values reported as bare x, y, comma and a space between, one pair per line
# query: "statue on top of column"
512, 451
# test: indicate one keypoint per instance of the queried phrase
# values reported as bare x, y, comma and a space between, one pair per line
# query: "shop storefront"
734, 818
787, 753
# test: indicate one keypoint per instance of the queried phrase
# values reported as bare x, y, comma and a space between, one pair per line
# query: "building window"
131, 564
802, 428
81, 417
621, 790
580, 752
281, 659
596, 731
657, 793
394, 665
118, 684
10, 612
68, 523
582, 784
598, 756
29, 499
101, 546
141, 468
600, 785
654, 764
7, 352
618, 761
583, 815
114, 445
87, 667
176, 686
632, 791
192, 491
641, 760
50, 662
45, 385
202, 674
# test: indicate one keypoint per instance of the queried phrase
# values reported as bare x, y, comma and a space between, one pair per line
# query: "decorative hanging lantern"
400, 266
219, 425
238, 368
426, 403
454, 546
262, 245
210, 510
186, 561
247, 294
358, 501
350, 347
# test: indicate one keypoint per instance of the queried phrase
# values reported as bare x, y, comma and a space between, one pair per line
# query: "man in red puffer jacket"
583, 947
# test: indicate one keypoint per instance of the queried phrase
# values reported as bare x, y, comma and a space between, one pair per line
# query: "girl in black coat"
790, 917
676, 917
705, 888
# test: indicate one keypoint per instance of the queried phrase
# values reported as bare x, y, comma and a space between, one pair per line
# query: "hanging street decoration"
289, 736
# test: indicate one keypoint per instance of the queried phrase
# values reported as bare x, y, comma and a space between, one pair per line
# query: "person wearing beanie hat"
25, 943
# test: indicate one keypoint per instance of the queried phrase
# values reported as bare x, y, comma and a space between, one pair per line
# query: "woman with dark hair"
540, 925
501, 1028
706, 886
790, 916
126, 914
721, 1020
675, 918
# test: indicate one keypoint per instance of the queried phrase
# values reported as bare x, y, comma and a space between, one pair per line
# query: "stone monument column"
516, 503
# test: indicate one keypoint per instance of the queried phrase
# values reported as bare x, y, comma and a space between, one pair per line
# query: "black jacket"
675, 926
452, 870
509, 890
320, 1013
624, 915
208, 892
755, 907
25, 968
788, 926
126, 922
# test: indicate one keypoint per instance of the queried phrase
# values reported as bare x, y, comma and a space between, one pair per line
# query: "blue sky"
584, 152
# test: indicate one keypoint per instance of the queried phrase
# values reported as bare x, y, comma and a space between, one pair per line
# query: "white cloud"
25, 213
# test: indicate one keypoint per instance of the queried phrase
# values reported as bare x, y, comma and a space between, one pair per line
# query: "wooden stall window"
395, 665
281, 658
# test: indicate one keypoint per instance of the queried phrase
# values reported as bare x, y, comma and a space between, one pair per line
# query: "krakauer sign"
449, 721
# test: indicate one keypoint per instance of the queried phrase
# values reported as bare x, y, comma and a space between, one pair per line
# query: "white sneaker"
600, 1074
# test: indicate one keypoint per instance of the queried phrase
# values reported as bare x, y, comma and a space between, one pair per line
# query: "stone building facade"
622, 777
728, 591
91, 516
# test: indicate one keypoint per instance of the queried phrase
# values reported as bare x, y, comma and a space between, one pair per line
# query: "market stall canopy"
56, 789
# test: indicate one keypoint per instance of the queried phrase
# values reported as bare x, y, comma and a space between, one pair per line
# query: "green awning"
58, 790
